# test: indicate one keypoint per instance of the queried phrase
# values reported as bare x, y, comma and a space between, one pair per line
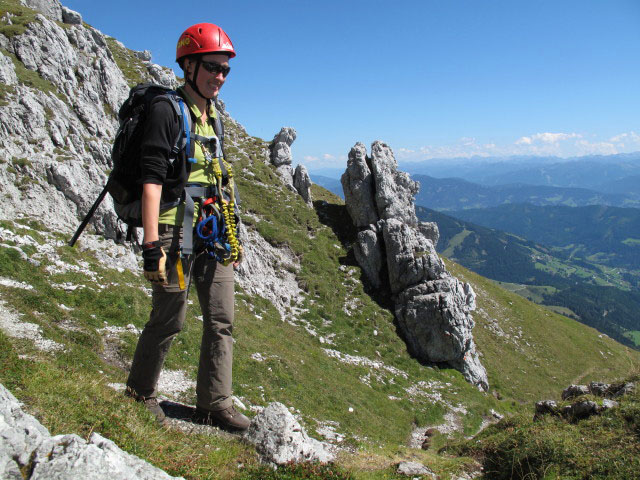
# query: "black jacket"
161, 130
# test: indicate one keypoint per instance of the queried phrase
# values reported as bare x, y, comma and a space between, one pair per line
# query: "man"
203, 53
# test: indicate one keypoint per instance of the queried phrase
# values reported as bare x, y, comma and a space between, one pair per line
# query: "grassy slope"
567, 285
544, 352
604, 446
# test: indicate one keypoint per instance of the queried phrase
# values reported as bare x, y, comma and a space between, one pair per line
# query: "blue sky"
433, 79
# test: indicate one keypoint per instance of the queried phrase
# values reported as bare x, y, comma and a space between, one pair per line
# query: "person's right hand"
154, 262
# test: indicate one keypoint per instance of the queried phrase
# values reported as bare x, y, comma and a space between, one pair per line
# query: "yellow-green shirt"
201, 172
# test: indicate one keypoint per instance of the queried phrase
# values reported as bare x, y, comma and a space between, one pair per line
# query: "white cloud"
467, 141
627, 141
556, 144
554, 137
402, 153
598, 148
547, 138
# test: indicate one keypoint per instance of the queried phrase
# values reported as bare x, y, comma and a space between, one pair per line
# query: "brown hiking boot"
228, 419
150, 403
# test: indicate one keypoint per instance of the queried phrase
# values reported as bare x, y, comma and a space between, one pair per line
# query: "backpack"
123, 182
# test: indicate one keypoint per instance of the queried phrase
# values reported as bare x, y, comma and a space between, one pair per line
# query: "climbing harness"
216, 227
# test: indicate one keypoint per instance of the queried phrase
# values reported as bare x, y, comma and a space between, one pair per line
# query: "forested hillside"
598, 296
602, 234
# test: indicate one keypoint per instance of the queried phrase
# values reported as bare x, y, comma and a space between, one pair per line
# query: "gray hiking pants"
214, 285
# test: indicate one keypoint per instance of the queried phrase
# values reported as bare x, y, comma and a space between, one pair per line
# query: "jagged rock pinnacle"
432, 307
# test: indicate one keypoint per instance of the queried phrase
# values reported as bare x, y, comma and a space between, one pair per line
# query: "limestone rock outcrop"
302, 183
581, 408
27, 447
280, 156
49, 8
71, 16
56, 133
397, 252
279, 438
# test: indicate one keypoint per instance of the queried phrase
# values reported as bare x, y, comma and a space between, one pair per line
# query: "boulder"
7, 71
599, 389
580, 410
573, 391
280, 439
414, 468
302, 183
394, 190
144, 55
411, 258
281, 146
27, 446
545, 407
71, 16
624, 389
281, 154
430, 231
285, 135
49, 8
437, 327
369, 255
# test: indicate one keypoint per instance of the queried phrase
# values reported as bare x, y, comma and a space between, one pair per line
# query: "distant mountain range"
604, 298
331, 184
603, 234
449, 194
605, 180
600, 173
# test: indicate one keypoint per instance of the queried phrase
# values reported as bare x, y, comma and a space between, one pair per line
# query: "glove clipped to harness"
154, 262
236, 264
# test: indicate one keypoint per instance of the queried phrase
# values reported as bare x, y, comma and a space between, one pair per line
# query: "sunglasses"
216, 68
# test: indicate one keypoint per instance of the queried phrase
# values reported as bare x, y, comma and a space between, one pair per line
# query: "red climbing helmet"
204, 38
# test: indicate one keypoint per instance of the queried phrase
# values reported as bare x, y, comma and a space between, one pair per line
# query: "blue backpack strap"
183, 140
186, 129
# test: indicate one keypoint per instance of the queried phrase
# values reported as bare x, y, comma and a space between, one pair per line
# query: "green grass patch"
32, 78
601, 447
455, 242
563, 311
133, 69
631, 242
20, 15
535, 293
310, 471
524, 362
633, 335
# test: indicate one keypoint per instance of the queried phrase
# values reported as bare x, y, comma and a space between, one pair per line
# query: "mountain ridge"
451, 194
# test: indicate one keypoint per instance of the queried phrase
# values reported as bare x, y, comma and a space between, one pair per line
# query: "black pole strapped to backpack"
93, 209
